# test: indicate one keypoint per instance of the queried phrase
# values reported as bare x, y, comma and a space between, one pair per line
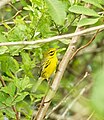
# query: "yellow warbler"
48, 67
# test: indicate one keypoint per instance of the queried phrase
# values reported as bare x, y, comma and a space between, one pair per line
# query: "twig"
82, 47
61, 68
13, 107
78, 33
2, 82
67, 96
10, 23
73, 102
90, 115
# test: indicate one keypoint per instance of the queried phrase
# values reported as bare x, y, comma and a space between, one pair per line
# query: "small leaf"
94, 2
97, 92
8, 101
87, 21
10, 89
65, 41
2, 38
83, 10
21, 97
22, 84
9, 65
2, 97
6, 25
56, 11
3, 49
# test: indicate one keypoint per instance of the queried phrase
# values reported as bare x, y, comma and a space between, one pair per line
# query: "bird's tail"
38, 84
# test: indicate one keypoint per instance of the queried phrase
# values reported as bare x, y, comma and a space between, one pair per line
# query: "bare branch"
11, 23
67, 96
13, 107
73, 102
78, 33
61, 68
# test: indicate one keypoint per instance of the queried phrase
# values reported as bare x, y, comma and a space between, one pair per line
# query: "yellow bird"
48, 67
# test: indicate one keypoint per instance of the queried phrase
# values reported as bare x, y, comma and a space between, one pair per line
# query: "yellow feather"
48, 67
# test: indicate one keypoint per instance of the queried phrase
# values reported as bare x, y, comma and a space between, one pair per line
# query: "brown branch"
61, 68
82, 47
66, 97
76, 34
2, 82
13, 107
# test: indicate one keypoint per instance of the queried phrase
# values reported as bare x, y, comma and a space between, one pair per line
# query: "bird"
49, 65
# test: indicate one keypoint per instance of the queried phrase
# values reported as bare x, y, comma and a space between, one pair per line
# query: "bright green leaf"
2, 97
97, 93
94, 2
3, 49
21, 97
2, 38
56, 11
22, 84
83, 10
9, 65
10, 89
87, 21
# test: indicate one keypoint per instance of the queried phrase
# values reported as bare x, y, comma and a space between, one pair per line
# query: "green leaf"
8, 101
27, 64
97, 92
87, 21
21, 97
83, 10
10, 89
22, 84
94, 2
2, 38
9, 65
101, 2
2, 97
56, 11
65, 41
3, 49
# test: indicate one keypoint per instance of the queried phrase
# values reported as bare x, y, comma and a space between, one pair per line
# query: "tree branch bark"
76, 34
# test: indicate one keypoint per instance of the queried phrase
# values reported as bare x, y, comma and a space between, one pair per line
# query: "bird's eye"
51, 52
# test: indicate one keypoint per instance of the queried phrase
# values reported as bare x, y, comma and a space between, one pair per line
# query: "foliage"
20, 65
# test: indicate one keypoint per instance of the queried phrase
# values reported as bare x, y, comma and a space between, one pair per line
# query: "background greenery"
30, 20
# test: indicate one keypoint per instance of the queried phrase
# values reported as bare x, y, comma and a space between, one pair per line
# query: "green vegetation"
20, 64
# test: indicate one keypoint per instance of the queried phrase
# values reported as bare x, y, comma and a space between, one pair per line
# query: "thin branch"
13, 107
89, 118
78, 33
67, 96
2, 82
61, 68
11, 23
82, 47
73, 102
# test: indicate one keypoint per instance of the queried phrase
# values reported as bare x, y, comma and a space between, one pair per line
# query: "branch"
13, 107
61, 69
73, 102
66, 97
11, 23
82, 47
78, 33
